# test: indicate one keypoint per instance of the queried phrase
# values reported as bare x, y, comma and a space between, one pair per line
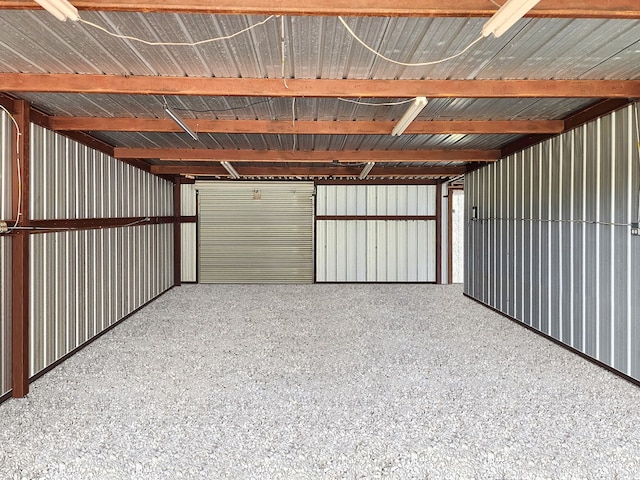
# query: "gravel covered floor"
322, 382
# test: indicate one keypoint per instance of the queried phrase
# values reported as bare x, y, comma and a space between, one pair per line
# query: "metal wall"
6, 156
7, 146
5, 314
383, 200
552, 245
82, 281
375, 250
457, 230
70, 180
188, 230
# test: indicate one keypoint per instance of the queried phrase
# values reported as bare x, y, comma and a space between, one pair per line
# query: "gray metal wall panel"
188, 207
375, 251
189, 261
5, 315
79, 284
252, 232
579, 281
7, 146
385, 200
70, 180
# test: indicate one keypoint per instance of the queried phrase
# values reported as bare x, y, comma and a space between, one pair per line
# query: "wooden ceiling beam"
325, 88
404, 8
434, 127
283, 170
304, 156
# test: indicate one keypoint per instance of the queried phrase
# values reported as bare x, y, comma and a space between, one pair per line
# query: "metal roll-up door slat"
253, 232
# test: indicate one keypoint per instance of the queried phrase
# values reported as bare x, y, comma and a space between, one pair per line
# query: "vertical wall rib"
572, 200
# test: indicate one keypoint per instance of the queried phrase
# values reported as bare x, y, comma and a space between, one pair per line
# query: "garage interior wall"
6, 157
83, 281
188, 232
552, 244
353, 248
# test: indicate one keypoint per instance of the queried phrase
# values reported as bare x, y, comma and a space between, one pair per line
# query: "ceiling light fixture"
365, 171
61, 9
179, 121
506, 16
409, 116
229, 168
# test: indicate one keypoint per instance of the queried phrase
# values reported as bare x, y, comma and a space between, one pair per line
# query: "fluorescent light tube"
61, 9
229, 168
506, 16
365, 171
179, 121
412, 112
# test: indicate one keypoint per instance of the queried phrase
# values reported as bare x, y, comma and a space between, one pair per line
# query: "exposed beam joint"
404, 8
311, 156
433, 127
327, 88
20, 257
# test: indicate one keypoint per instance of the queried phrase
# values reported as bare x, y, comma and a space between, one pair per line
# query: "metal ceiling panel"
304, 142
317, 47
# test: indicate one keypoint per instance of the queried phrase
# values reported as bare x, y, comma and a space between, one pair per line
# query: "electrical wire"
284, 79
176, 44
68, 229
405, 64
545, 220
18, 171
221, 109
385, 104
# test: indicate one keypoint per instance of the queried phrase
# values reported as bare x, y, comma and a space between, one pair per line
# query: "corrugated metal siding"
6, 156
457, 242
84, 281
189, 237
383, 200
376, 250
318, 47
251, 232
70, 180
544, 249
5, 315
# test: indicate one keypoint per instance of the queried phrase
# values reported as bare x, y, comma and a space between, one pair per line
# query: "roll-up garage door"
252, 232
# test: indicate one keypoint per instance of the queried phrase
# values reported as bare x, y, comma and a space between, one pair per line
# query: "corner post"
20, 257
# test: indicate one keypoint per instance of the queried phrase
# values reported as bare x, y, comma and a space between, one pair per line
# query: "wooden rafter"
310, 156
304, 127
249, 170
423, 8
328, 88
